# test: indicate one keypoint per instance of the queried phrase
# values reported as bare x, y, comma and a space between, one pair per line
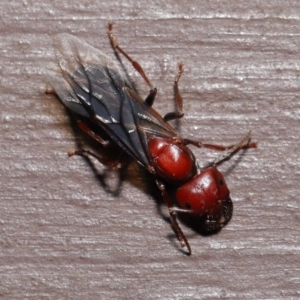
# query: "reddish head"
207, 195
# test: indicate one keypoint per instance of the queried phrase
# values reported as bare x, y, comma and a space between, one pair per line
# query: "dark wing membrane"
137, 123
91, 85
84, 77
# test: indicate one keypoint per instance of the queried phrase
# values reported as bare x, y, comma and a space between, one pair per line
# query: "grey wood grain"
63, 235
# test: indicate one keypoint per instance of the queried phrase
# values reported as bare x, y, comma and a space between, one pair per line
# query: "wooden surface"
63, 235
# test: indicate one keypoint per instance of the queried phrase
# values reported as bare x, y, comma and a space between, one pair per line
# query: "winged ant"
90, 85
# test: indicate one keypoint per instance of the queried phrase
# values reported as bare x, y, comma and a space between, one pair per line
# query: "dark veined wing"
90, 84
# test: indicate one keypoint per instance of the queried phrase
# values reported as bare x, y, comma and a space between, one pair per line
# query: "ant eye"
221, 181
187, 205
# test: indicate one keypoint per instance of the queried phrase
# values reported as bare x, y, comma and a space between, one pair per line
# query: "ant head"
207, 195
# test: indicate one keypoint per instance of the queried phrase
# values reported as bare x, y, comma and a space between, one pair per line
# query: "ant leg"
117, 165
151, 97
84, 127
180, 235
50, 91
217, 147
178, 98
243, 144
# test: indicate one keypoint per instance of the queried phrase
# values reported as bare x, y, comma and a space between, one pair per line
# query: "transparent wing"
91, 85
